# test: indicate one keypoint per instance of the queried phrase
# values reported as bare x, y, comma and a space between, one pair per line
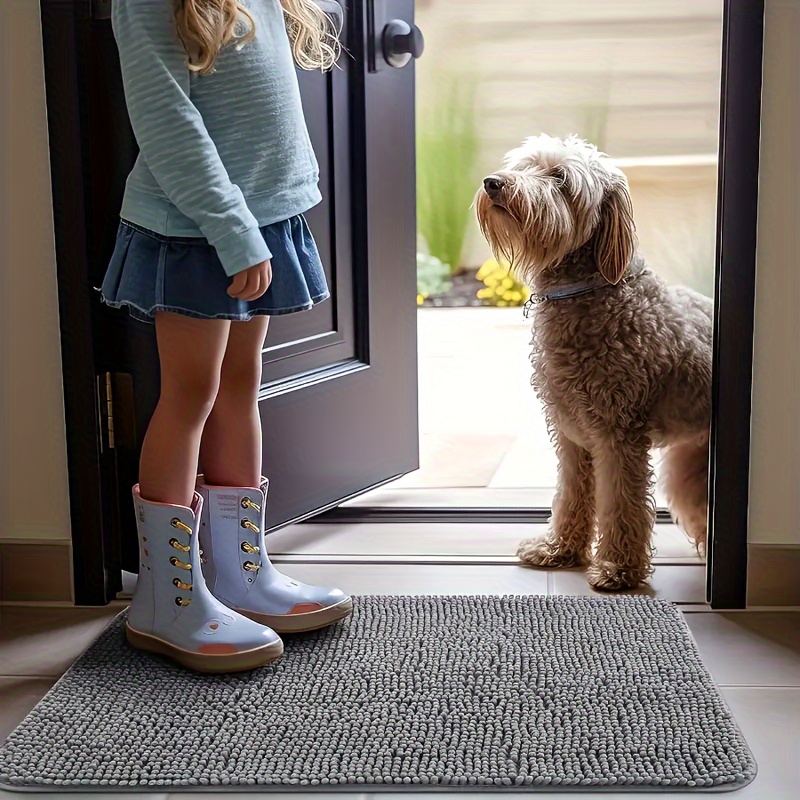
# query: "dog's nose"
493, 185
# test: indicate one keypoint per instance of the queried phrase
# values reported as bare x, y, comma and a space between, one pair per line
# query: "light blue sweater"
220, 154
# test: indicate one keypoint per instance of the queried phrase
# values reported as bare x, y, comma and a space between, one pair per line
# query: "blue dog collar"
565, 292
574, 290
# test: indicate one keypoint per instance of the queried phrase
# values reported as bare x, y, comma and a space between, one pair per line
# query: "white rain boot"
173, 612
240, 574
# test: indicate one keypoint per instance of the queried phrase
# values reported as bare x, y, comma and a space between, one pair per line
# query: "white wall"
33, 476
33, 464
775, 461
576, 66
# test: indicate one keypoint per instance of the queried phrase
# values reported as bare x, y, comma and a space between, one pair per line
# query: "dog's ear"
615, 237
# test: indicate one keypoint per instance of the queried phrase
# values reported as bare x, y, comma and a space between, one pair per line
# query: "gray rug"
420, 692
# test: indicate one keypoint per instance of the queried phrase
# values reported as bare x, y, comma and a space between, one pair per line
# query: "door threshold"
460, 514
434, 559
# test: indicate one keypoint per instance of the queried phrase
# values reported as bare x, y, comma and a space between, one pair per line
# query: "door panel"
338, 401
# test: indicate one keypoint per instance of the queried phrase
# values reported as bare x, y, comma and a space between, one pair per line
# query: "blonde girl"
212, 242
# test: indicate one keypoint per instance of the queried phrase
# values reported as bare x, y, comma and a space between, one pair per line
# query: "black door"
339, 395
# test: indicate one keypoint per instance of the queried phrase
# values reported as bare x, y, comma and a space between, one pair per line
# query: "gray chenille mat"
513, 692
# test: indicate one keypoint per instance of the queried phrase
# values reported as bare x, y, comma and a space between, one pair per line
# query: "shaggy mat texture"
515, 692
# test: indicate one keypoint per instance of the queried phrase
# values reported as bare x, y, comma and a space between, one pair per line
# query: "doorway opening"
639, 81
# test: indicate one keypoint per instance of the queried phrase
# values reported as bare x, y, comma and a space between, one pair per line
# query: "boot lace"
176, 562
248, 503
250, 549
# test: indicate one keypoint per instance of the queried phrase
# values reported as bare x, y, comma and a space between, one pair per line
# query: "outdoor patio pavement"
481, 425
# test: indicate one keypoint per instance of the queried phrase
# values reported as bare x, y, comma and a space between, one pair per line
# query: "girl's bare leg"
230, 450
191, 352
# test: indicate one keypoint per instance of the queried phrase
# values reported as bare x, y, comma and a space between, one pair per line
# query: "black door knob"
401, 43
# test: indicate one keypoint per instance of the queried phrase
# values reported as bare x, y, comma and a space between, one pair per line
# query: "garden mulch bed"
462, 293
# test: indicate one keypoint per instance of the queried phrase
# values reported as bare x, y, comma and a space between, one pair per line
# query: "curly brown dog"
622, 361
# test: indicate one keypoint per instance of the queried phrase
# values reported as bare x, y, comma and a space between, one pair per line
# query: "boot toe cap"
319, 597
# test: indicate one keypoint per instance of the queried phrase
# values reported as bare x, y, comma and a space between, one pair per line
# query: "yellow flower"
501, 287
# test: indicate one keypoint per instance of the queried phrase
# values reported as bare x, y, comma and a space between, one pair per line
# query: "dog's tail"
684, 479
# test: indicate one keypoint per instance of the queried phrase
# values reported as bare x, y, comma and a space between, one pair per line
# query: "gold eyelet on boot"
182, 601
178, 563
251, 567
248, 503
250, 526
181, 585
178, 546
248, 548
176, 523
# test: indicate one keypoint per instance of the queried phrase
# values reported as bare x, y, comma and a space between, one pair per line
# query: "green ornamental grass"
447, 152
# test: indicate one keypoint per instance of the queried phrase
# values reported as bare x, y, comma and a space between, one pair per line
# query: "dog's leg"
625, 514
567, 542
685, 482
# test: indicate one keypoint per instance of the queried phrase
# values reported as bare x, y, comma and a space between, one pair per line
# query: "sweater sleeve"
172, 137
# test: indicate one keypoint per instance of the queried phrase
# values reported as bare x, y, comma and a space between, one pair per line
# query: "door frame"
737, 215
734, 305
734, 301
90, 517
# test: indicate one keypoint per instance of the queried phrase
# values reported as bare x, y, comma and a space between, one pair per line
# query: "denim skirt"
149, 272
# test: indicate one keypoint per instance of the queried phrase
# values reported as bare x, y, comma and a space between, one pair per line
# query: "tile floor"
754, 656
480, 425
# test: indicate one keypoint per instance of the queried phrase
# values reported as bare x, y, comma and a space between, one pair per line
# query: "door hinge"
116, 411
105, 399
101, 9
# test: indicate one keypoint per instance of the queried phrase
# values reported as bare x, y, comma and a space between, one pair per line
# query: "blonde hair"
206, 26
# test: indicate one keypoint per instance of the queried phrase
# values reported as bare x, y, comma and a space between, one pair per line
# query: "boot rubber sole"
300, 623
203, 662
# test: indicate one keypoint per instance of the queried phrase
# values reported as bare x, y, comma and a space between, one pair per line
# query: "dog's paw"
543, 552
607, 577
